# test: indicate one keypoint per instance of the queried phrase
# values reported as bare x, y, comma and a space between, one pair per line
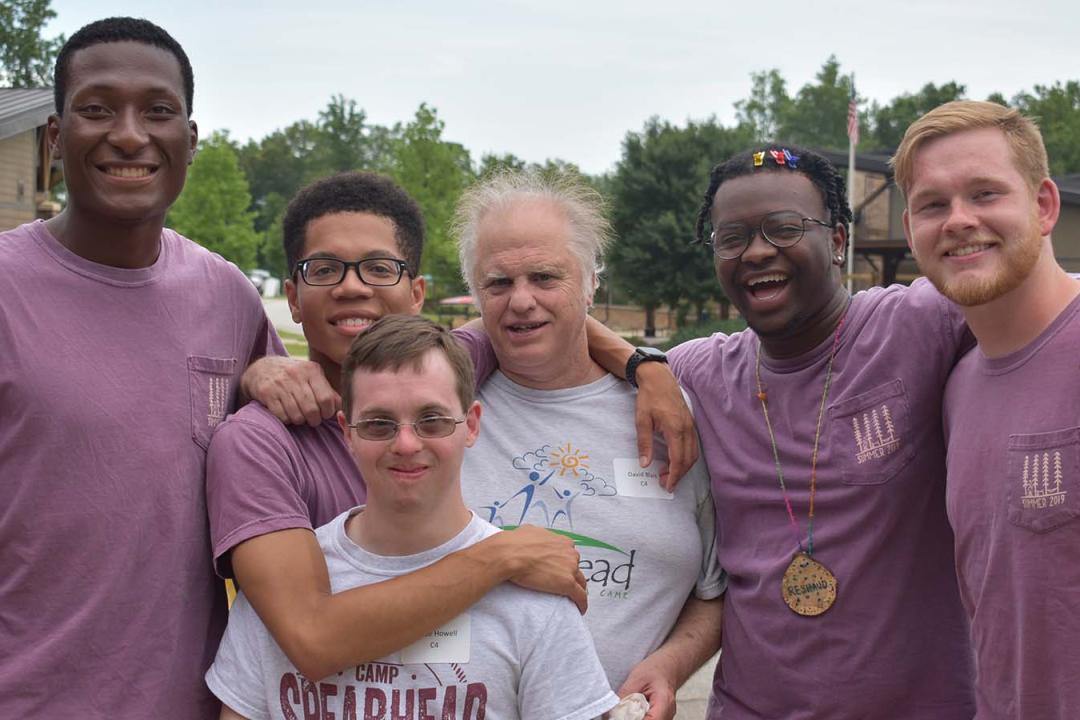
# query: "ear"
52, 132
418, 290
839, 243
292, 293
343, 423
1048, 200
472, 424
907, 231
591, 296
193, 140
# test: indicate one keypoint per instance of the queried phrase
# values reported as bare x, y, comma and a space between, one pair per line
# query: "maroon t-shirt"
111, 382
894, 645
1013, 429
263, 476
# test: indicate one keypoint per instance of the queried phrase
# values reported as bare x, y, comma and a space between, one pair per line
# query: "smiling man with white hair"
560, 448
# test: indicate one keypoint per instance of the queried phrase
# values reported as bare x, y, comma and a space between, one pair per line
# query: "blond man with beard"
980, 210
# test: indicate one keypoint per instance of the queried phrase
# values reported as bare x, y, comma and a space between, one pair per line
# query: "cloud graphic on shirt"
534, 459
595, 485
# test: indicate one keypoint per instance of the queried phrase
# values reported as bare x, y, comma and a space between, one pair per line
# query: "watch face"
651, 353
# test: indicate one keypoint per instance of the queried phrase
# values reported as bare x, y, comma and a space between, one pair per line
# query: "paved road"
692, 698
277, 309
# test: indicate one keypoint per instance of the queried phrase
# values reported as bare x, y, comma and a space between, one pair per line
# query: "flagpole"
852, 140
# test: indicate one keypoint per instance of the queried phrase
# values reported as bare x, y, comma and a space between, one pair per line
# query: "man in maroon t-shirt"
980, 210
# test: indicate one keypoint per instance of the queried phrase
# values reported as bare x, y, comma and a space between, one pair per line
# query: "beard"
1018, 258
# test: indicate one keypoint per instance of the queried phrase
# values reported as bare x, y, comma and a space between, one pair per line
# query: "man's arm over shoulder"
284, 576
660, 406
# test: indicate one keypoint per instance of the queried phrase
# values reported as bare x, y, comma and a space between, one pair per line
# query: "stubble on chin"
1018, 260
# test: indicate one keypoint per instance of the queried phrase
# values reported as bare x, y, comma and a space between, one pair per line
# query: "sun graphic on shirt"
567, 459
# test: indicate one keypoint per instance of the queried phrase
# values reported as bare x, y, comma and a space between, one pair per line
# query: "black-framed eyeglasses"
376, 271
436, 426
781, 229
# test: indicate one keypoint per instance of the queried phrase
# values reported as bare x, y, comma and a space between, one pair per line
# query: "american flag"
853, 118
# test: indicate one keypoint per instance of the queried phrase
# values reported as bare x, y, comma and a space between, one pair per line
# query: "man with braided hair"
821, 426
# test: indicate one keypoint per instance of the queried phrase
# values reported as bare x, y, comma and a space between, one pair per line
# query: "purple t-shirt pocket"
1043, 489
871, 434
211, 395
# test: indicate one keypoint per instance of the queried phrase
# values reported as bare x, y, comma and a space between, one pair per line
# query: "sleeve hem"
253, 529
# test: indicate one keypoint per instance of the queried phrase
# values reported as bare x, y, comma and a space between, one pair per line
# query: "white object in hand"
632, 707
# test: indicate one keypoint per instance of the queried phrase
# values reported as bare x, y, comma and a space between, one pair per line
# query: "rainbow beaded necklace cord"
808, 587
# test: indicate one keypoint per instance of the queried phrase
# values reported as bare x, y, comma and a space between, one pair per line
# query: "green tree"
890, 121
435, 172
271, 251
491, 164
213, 209
26, 58
345, 141
815, 117
656, 192
764, 112
1057, 110
280, 163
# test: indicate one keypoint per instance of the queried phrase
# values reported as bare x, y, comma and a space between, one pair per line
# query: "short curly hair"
362, 192
113, 30
816, 168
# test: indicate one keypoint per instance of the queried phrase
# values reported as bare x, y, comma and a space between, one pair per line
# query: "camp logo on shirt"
356, 694
875, 435
549, 482
1041, 480
218, 401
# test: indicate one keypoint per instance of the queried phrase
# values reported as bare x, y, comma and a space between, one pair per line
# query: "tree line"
236, 193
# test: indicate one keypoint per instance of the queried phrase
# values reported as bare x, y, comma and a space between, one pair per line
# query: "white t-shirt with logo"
567, 460
515, 655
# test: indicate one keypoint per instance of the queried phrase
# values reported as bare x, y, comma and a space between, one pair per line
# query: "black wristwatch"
642, 354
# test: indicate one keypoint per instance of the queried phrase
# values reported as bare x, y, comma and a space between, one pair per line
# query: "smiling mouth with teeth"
767, 287
353, 323
128, 172
967, 250
525, 327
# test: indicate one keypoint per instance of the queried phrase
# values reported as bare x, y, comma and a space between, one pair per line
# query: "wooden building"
881, 252
27, 172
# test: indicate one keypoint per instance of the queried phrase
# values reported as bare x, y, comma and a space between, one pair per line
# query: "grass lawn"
295, 343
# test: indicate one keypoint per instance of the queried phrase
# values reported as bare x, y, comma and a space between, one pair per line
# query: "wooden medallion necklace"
808, 587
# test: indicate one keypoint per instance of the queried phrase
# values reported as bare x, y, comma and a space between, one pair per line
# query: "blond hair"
1022, 134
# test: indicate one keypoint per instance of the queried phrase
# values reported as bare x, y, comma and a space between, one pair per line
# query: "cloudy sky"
552, 78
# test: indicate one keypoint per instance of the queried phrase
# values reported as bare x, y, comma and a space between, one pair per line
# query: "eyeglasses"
436, 426
781, 229
377, 272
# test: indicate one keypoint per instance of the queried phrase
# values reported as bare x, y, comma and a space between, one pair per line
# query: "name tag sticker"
632, 480
446, 644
